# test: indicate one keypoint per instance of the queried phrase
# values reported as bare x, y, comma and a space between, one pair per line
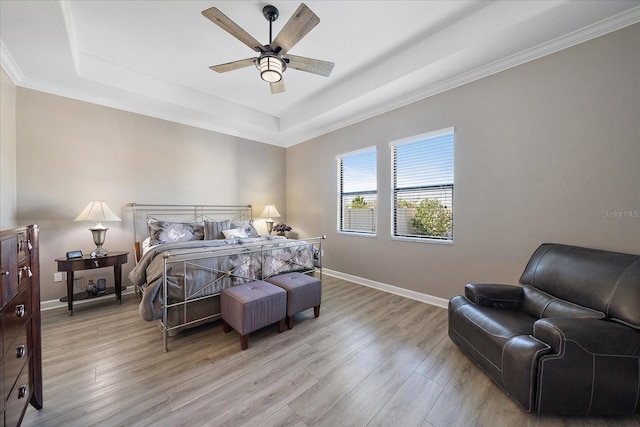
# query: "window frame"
341, 193
394, 190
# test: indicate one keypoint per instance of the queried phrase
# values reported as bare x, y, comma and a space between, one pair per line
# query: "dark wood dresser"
21, 349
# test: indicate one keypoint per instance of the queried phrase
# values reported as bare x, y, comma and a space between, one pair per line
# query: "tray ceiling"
153, 57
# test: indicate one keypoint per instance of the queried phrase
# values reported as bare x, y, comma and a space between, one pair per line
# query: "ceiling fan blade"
315, 66
232, 28
277, 87
302, 21
235, 65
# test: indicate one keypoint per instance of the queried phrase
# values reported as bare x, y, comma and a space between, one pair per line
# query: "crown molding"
9, 65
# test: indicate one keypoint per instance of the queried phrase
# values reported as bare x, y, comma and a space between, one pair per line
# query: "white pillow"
146, 245
234, 233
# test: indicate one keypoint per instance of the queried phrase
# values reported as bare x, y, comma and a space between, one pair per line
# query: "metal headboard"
184, 213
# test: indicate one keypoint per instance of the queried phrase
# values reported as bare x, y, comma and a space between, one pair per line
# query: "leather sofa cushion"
540, 304
488, 329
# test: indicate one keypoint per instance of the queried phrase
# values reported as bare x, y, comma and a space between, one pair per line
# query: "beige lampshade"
97, 211
270, 211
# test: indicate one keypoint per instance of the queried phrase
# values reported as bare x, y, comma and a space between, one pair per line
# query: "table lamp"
98, 211
270, 212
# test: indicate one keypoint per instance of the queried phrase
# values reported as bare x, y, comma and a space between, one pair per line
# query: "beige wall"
545, 152
8, 209
71, 152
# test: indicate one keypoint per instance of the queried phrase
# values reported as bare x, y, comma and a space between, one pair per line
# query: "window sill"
422, 240
357, 234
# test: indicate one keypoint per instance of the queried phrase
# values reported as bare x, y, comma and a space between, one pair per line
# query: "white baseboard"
56, 303
429, 299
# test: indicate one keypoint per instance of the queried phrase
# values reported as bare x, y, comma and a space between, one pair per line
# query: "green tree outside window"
358, 202
433, 218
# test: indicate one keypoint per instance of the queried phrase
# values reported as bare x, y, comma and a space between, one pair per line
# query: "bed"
187, 254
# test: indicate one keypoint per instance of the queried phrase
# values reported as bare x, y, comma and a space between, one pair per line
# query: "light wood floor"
371, 359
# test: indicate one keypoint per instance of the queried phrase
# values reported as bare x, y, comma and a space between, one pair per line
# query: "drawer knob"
22, 392
20, 310
20, 352
4, 272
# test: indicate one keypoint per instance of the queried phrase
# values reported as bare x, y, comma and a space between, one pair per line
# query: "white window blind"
357, 191
422, 186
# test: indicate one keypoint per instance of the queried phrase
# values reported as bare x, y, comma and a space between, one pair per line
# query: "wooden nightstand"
113, 259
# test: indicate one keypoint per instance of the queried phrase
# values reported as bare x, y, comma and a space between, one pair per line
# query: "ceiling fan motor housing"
270, 12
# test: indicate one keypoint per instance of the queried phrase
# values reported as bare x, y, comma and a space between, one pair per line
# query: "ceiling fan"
273, 58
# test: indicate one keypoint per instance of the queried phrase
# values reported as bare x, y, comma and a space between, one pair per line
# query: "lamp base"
99, 232
99, 252
269, 225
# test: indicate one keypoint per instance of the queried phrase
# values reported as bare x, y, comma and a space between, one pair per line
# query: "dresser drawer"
20, 340
23, 245
18, 399
8, 269
15, 315
15, 356
2, 393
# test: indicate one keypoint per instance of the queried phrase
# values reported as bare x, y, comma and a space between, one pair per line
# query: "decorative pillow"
234, 233
247, 226
165, 231
213, 229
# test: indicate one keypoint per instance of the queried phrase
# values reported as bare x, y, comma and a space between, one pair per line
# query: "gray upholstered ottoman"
303, 292
249, 307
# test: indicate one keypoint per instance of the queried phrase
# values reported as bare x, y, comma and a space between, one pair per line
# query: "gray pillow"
247, 226
165, 231
213, 229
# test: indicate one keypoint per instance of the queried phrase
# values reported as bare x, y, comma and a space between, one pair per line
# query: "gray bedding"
200, 268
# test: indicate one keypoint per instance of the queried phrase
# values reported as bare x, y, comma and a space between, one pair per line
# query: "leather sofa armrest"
593, 367
495, 295
520, 357
593, 335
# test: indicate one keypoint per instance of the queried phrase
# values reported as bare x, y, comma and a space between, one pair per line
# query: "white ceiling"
152, 57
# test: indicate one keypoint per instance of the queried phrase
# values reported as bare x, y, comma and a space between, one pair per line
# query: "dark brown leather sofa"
567, 341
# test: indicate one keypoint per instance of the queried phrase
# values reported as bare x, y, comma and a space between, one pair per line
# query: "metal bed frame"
262, 251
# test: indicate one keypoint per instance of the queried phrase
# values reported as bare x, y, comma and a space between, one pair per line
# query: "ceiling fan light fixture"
271, 68
273, 59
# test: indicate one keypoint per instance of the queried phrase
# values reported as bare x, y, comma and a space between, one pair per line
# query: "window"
357, 192
422, 186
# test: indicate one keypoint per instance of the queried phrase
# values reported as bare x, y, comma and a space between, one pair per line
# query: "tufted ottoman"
249, 307
303, 292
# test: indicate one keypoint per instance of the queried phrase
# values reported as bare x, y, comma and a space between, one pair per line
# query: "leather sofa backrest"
601, 280
540, 304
